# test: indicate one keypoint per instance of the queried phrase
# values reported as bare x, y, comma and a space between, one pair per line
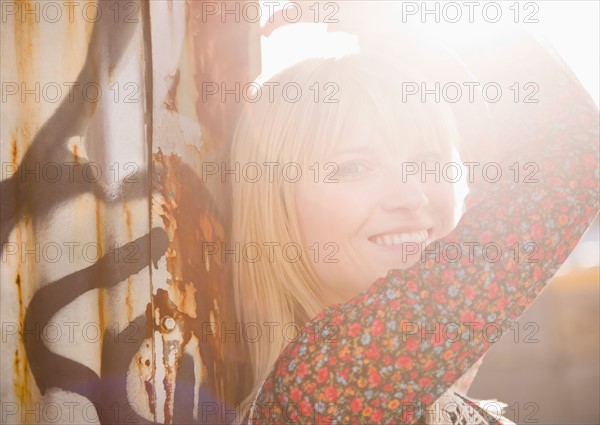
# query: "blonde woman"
370, 292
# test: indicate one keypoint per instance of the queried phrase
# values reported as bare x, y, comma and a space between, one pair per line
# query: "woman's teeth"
400, 238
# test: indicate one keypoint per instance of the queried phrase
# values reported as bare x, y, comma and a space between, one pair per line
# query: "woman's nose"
404, 192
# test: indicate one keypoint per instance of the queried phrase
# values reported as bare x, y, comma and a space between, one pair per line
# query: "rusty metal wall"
104, 129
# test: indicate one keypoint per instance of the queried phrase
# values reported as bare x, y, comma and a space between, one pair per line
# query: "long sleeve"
399, 345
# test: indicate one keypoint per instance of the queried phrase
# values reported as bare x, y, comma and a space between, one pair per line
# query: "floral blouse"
394, 349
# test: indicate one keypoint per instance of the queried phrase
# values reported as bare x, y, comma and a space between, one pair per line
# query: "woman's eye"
351, 169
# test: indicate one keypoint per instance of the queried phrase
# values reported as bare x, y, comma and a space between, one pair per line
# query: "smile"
392, 239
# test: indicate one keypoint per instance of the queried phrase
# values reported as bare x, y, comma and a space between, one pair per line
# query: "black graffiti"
37, 200
52, 370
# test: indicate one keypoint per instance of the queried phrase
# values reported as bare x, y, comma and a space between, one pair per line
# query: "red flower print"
374, 377
354, 329
373, 352
511, 239
305, 408
331, 393
439, 296
302, 369
448, 275
449, 376
492, 290
376, 415
467, 316
469, 292
377, 328
412, 344
356, 404
486, 237
537, 231
425, 381
427, 399
295, 394
404, 362
428, 364
412, 286
322, 375
281, 370
502, 303
338, 320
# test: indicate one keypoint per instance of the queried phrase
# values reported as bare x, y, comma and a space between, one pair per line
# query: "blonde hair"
368, 89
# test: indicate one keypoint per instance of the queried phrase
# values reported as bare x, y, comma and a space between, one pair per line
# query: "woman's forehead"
363, 137
367, 133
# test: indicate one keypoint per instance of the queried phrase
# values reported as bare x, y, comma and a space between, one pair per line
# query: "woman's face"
376, 214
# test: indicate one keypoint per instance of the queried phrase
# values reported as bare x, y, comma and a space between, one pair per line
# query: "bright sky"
572, 27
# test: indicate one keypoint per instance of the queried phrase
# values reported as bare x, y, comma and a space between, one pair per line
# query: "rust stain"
20, 383
174, 328
128, 296
171, 100
188, 210
27, 52
148, 383
14, 150
20, 297
26, 37
21, 376
190, 219
150, 392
